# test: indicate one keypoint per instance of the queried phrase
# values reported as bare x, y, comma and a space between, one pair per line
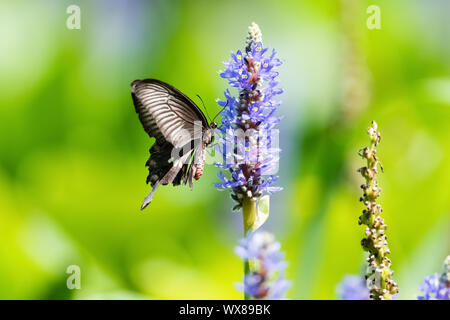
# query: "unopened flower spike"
378, 274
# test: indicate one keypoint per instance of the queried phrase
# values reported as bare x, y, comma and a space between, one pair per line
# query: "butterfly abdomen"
200, 165
199, 171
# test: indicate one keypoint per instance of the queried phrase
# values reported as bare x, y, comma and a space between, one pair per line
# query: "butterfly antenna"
206, 110
221, 110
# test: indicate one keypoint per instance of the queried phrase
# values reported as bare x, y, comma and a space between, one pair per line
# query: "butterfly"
181, 133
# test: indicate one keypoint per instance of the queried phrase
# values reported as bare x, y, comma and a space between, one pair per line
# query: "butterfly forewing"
164, 110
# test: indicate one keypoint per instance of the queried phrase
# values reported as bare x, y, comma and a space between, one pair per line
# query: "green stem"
249, 217
248, 213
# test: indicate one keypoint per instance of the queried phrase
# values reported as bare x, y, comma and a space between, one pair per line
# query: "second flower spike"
266, 280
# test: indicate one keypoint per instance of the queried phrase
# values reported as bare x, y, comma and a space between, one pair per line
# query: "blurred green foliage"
72, 156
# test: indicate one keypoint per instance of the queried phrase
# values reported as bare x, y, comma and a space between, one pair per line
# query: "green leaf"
263, 212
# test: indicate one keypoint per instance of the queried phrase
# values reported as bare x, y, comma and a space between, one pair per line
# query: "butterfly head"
208, 136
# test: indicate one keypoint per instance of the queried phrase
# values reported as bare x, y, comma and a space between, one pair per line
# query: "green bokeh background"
72, 150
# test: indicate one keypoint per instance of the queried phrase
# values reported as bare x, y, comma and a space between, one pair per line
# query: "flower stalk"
249, 212
378, 274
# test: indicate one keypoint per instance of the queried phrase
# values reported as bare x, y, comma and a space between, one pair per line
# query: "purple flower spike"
433, 288
248, 141
437, 287
353, 288
266, 281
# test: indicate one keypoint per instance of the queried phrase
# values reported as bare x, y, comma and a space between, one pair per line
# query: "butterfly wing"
175, 121
165, 111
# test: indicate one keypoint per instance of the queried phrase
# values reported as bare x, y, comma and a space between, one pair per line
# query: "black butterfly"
181, 130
